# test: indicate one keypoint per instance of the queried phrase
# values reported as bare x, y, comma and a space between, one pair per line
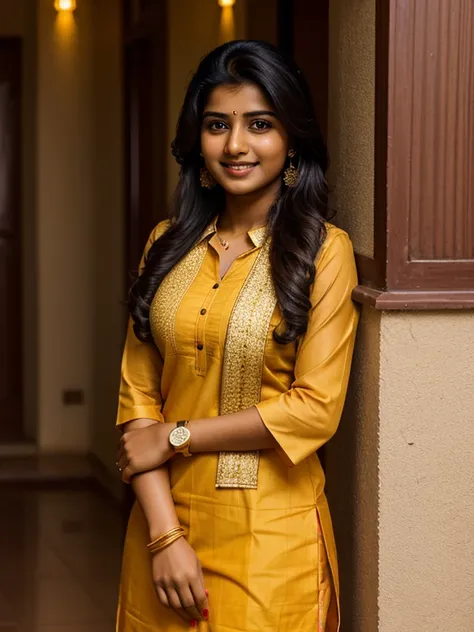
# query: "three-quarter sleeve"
306, 416
140, 378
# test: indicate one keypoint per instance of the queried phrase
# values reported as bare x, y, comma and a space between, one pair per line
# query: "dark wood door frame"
146, 89
11, 318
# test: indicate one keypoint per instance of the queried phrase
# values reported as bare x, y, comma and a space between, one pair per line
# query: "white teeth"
239, 167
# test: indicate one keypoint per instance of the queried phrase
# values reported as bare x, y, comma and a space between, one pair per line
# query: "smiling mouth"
239, 166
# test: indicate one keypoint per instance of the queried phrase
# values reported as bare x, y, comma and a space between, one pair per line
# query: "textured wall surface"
426, 505
352, 486
352, 456
351, 117
400, 476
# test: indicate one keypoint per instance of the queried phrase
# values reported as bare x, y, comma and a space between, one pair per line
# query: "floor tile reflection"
60, 557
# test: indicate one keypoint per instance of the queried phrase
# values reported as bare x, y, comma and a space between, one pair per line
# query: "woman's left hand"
143, 450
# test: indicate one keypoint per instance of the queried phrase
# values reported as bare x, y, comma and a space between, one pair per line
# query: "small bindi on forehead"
247, 100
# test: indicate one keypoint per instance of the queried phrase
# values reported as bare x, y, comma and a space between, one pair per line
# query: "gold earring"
290, 175
207, 181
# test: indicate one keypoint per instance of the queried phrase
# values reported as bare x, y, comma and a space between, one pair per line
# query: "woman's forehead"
241, 98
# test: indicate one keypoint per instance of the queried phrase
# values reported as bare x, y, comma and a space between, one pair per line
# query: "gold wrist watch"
180, 438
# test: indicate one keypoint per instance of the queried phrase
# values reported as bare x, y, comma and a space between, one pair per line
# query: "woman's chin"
242, 187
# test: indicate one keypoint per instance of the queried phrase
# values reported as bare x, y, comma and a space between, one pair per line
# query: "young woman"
236, 366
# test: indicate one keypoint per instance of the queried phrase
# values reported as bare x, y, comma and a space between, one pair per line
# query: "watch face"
179, 436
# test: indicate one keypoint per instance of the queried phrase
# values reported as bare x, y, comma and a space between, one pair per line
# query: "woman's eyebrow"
246, 115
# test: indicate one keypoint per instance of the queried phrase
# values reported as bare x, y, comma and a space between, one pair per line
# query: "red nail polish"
207, 592
205, 613
193, 623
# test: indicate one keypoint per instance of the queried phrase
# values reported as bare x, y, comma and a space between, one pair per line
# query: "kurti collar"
257, 235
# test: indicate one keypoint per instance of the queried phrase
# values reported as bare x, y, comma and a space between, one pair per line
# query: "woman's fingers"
162, 596
127, 474
188, 602
122, 458
175, 603
123, 462
200, 597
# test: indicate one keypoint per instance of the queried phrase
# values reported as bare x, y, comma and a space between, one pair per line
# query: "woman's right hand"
179, 581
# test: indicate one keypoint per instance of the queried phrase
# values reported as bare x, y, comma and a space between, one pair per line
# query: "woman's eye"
261, 125
217, 126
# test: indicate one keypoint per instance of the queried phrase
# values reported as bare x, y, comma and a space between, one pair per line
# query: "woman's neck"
246, 212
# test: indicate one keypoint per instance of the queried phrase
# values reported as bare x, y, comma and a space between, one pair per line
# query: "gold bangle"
166, 535
164, 545
165, 540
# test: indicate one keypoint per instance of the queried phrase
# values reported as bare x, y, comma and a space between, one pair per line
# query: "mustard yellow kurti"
263, 551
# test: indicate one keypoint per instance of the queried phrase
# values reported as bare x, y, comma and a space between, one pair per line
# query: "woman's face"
243, 143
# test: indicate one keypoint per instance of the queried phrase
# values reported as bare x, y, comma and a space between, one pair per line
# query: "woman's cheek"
212, 146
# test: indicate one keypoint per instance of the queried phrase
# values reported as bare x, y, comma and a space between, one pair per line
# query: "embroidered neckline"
257, 235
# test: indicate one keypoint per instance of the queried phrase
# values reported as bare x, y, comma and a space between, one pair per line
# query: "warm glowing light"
226, 3
65, 5
227, 26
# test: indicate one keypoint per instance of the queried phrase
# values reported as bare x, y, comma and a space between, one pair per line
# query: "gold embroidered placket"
243, 365
244, 349
171, 292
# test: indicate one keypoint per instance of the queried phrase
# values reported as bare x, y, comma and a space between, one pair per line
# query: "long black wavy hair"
295, 220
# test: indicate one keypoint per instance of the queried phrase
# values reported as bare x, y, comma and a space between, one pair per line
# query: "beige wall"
80, 224
18, 19
426, 485
351, 117
205, 27
65, 223
400, 475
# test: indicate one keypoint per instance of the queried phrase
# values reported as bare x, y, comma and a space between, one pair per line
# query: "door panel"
10, 242
145, 58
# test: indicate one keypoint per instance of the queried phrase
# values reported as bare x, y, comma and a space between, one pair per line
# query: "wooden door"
146, 120
11, 423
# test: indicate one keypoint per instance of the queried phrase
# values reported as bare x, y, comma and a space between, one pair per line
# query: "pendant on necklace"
224, 244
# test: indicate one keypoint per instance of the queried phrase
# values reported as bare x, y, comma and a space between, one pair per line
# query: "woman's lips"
239, 169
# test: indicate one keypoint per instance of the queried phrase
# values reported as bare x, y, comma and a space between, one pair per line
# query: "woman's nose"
236, 142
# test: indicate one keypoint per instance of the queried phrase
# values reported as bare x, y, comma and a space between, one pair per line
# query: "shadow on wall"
352, 473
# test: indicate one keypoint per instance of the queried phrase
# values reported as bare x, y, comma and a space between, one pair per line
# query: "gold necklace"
225, 242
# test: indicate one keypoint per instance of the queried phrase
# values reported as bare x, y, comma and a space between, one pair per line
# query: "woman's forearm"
242, 431
153, 492
149, 447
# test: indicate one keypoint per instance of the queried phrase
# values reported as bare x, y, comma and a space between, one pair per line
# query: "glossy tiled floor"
59, 560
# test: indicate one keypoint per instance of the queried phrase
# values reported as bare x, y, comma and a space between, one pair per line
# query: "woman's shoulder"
159, 230
155, 234
336, 242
